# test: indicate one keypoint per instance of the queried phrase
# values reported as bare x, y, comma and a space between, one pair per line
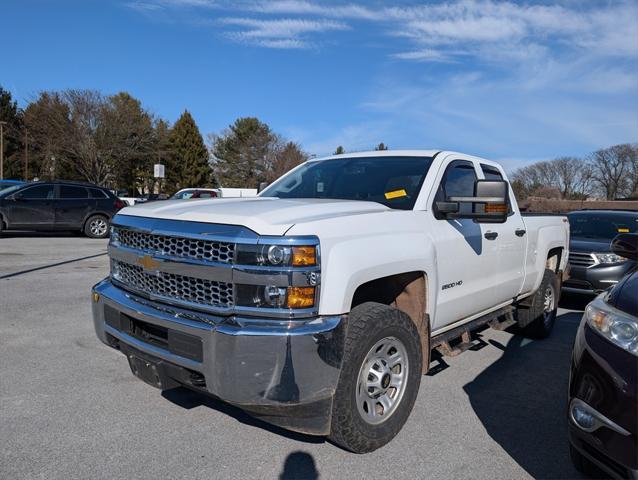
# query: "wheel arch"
408, 292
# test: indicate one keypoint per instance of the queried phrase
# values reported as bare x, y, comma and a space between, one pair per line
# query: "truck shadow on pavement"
521, 399
188, 399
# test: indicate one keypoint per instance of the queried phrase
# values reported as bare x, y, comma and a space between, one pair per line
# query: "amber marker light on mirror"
304, 256
496, 208
300, 297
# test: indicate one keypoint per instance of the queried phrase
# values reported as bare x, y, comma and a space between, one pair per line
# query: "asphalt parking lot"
70, 408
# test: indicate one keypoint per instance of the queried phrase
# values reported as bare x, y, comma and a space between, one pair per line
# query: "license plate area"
146, 370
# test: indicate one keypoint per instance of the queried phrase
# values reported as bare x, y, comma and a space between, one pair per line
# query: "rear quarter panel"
545, 232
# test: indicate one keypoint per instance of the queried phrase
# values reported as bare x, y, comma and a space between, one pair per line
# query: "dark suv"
593, 266
58, 205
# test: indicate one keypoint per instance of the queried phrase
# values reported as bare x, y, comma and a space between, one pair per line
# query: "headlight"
608, 258
614, 325
115, 235
277, 255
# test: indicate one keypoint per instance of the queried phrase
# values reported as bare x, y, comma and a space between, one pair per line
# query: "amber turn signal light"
304, 256
300, 297
496, 208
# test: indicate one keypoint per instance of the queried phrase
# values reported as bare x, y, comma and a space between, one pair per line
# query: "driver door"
32, 208
464, 270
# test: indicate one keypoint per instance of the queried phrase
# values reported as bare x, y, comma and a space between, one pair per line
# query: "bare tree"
285, 159
612, 170
86, 108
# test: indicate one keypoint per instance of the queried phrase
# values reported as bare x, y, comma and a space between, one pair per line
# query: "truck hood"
263, 215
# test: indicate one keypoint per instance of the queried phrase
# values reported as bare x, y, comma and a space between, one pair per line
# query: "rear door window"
491, 173
73, 192
97, 193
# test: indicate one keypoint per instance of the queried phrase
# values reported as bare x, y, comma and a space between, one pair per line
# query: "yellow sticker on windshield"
623, 230
396, 194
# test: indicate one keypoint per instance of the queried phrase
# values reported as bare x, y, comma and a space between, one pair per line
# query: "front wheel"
97, 226
379, 380
537, 319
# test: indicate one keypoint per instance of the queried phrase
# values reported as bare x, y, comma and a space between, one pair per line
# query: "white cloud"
278, 33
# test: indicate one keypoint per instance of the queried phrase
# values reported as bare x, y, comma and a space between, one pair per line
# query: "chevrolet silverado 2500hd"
316, 305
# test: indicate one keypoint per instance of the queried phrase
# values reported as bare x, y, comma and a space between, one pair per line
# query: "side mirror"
488, 205
262, 186
626, 245
16, 196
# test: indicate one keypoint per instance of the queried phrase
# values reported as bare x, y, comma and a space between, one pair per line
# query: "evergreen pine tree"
13, 133
188, 160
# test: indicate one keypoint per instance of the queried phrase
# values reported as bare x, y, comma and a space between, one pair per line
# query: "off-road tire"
90, 230
369, 323
536, 319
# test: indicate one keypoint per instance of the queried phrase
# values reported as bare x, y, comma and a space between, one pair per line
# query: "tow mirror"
626, 245
488, 205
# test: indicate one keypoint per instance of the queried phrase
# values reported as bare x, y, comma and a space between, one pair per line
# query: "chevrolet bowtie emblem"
148, 262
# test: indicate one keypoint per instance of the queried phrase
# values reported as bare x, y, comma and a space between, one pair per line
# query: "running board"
498, 320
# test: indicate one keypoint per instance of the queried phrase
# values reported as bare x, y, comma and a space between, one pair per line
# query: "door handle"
520, 232
491, 235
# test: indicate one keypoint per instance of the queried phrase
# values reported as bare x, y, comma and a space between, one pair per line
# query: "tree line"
609, 173
112, 140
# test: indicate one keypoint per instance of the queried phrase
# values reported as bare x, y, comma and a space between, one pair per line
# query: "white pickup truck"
317, 304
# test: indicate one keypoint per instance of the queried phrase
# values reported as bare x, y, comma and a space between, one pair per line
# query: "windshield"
604, 226
183, 195
391, 181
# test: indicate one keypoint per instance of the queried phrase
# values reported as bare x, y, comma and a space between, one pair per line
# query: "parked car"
315, 305
58, 205
187, 193
10, 183
603, 384
593, 266
152, 197
126, 197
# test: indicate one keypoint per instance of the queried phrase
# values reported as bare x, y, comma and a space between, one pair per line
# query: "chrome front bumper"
283, 371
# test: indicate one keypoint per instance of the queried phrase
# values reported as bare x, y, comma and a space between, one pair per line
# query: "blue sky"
511, 81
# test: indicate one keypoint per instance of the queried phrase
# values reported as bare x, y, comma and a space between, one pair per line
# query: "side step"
466, 343
498, 320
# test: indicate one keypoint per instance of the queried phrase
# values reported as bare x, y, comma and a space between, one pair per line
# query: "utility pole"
2, 124
26, 155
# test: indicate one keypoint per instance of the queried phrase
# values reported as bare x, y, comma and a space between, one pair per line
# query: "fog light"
275, 296
582, 418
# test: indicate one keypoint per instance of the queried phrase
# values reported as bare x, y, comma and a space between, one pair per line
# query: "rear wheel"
379, 380
97, 226
537, 319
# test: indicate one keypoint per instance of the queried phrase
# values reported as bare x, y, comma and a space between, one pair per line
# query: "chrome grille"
581, 259
172, 286
192, 248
